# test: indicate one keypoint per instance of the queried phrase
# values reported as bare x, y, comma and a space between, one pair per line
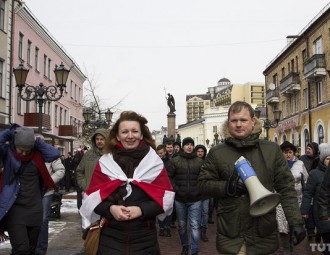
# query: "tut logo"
321, 247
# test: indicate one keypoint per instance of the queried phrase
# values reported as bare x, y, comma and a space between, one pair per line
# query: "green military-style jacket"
235, 225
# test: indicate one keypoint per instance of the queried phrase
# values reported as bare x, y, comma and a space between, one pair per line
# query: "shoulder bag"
92, 237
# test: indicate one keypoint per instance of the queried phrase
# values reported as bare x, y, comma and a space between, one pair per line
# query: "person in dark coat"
312, 191
184, 174
237, 230
311, 160
130, 188
24, 181
69, 171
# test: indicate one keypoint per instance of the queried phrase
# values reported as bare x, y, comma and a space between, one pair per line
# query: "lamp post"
89, 117
40, 93
267, 123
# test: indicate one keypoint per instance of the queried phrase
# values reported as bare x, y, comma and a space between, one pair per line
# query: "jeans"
43, 235
189, 213
205, 213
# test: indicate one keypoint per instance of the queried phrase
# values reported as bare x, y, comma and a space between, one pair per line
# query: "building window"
48, 69
284, 109
75, 92
1, 75
291, 105
317, 46
319, 92
45, 65
20, 46
320, 133
275, 80
297, 98
19, 105
283, 72
49, 107
36, 57
2, 14
305, 99
65, 116
61, 115
56, 120
28, 53
306, 136
71, 89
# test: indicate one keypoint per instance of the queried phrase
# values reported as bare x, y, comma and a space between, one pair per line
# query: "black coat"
183, 173
135, 237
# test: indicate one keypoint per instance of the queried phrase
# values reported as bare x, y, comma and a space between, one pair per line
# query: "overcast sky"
137, 49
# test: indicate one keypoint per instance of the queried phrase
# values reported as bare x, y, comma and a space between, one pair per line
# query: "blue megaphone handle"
244, 169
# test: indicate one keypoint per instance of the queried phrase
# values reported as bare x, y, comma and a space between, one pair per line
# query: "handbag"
92, 237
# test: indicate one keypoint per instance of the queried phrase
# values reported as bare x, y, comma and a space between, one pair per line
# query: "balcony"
290, 84
272, 96
67, 130
31, 120
314, 67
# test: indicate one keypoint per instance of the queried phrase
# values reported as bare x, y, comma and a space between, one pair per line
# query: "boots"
203, 235
185, 250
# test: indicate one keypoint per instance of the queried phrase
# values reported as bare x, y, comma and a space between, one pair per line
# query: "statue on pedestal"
171, 103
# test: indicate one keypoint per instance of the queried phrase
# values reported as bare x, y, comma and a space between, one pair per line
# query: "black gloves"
235, 188
297, 234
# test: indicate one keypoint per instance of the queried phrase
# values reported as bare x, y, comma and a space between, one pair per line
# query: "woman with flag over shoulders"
130, 188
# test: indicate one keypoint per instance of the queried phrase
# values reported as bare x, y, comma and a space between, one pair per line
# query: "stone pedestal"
171, 125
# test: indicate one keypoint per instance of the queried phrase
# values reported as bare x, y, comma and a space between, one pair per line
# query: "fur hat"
324, 151
188, 140
24, 137
287, 145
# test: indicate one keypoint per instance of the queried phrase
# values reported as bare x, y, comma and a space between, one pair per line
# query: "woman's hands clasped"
124, 213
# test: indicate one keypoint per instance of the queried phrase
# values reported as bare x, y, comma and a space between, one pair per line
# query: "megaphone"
262, 200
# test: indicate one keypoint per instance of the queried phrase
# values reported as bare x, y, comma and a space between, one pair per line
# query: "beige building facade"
297, 83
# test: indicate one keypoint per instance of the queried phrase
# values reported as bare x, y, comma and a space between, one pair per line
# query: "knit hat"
287, 145
315, 147
324, 151
188, 140
24, 137
177, 143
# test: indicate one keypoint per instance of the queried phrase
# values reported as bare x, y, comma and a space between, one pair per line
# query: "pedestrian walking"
129, 188
57, 171
25, 179
238, 232
183, 174
312, 191
85, 169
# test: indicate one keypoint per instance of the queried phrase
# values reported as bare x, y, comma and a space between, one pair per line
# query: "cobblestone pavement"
69, 242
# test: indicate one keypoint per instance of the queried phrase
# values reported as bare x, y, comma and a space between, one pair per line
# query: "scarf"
35, 156
150, 175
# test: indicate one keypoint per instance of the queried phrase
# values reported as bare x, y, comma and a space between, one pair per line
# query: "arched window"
306, 136
320, 132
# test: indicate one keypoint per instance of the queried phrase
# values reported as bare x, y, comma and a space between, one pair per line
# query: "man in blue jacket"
25, 179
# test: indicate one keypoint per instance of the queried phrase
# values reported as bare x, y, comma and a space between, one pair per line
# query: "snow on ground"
56, 226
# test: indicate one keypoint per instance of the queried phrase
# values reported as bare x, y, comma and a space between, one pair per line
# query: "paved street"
65, 239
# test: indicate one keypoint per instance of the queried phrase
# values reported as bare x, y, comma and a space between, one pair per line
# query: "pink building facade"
41, 54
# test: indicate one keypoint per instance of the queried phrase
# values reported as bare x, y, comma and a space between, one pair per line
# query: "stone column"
171, 124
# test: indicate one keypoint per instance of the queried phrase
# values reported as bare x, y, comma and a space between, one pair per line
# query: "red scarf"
35, 156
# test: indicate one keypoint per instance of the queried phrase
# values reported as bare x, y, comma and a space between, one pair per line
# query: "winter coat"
11, 165
311, 192
87, 164
235, 224
183, 174
57, 171
300, 176
323, 201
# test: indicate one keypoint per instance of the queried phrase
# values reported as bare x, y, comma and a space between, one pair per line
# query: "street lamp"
267, 123
41, 93
89, 117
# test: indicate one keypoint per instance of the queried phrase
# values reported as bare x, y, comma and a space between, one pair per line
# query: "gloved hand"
235, 188
297, 234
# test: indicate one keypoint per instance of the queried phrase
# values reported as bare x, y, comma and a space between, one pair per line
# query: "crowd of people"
144, 192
